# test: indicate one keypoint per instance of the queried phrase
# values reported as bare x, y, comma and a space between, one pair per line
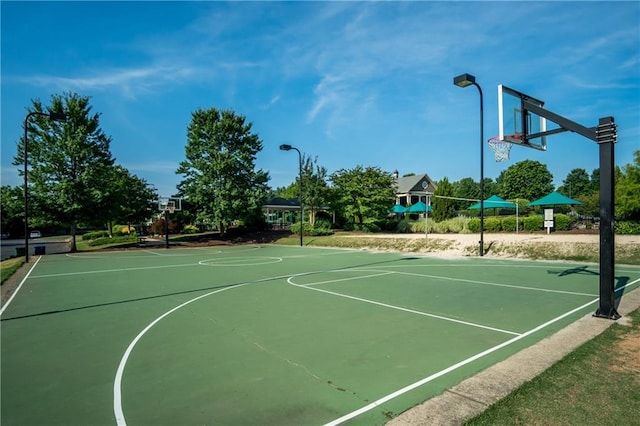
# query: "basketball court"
270, 334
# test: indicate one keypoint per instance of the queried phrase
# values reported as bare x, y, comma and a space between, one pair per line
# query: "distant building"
413, 189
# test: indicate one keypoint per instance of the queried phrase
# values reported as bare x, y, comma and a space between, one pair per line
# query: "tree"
628, 191
527, 179
576, 183
315, 191
220, 179
129, 199
364, 193
465, 188
12, 210
443, 208
68, 163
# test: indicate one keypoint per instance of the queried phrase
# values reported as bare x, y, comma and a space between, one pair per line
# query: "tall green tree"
129, 199
628, 191
12, 210
465, 188
220, 179
315, 190
443, 206
528, 179
576, 183
363, 192
68, 162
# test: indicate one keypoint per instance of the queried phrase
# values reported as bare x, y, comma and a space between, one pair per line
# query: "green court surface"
269, 335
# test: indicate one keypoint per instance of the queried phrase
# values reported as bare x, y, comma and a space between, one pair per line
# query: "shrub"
474, 225
404, 227
113, 240
533, 223
190, 229
492, 224
509, 224
562, 222
627, 228
95, 234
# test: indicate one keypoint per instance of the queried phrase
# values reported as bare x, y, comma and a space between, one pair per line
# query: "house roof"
415, 183
282, 202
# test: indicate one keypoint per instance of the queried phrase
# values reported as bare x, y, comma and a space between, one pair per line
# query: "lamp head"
464, 80
285, 147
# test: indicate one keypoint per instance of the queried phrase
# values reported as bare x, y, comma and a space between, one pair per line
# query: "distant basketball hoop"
501, 149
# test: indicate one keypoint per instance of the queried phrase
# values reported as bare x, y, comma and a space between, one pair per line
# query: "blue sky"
353, 83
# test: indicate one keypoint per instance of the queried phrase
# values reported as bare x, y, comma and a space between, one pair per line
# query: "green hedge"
533, 223
627, 228
562, 222
492, 224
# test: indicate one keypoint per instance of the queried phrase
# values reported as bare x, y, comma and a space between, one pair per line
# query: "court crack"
307, 371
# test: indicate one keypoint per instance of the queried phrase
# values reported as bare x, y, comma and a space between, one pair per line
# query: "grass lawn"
597, 384
9, 266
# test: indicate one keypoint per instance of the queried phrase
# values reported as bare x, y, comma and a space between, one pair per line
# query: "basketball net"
171, 209
500, 148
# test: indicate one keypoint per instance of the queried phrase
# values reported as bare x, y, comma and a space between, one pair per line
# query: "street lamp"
464, 80
53, 116
286, 147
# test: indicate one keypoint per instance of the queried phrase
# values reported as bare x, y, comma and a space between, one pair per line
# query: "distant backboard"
517, 125
169, 204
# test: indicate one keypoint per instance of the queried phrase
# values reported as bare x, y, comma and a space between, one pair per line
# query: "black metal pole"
26, 196
481, 169
606, 138
301, 205
166, 230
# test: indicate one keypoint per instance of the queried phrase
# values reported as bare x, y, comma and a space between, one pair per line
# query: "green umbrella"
554, 199
494, 202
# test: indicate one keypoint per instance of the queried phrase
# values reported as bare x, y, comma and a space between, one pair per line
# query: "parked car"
35, 234
4, 235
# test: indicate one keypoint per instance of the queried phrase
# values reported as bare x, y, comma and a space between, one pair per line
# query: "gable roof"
415, 183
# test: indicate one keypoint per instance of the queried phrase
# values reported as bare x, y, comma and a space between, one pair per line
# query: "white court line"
117, 384
117, 393
19, 286
458, 365
348, 279
493, 284
400, 308
105, 271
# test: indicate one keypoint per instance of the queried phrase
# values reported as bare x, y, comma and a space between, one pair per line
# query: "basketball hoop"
171, 209
500, 148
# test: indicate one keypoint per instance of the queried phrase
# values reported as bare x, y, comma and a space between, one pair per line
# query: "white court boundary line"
398, 308
19, 286
517, 287
462, 363
117, 384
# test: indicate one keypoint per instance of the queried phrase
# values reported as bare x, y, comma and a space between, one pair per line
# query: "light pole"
54, 116
464, 80
286, 147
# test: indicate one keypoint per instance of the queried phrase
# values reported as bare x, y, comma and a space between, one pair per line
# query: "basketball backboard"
169, 204
516, 124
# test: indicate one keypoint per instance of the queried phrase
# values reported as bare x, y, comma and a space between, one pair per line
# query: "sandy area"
468, 239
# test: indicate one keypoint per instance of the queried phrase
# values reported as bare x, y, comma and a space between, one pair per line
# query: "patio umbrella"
398, 209
494, 202
554, 199
419, 207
